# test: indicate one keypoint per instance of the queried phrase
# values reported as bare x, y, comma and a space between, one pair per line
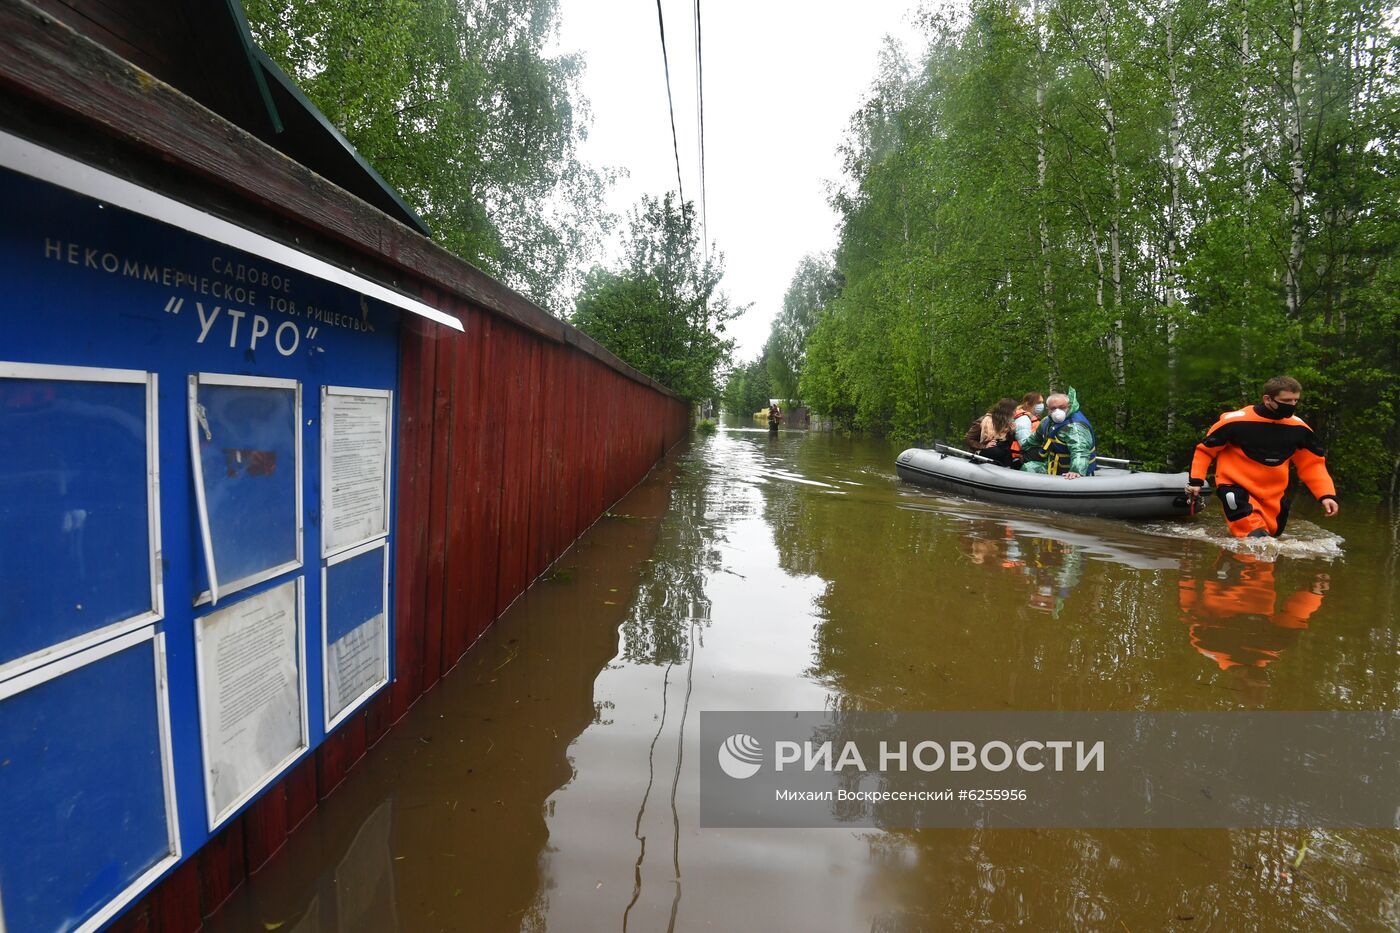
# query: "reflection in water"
1048, 567
1236, 615
550, 782
352, 887
364, 878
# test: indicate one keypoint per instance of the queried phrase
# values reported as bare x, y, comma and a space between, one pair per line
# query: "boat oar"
978, 458
945, 450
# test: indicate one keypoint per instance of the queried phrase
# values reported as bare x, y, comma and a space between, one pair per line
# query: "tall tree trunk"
1292, 283
1116, 362
1359, 66
1098, 265
1006, 318
1047, 285
1173, 222
1247, 187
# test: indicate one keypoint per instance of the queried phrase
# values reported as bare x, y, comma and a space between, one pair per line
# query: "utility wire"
665, 61
641, 811
700, 116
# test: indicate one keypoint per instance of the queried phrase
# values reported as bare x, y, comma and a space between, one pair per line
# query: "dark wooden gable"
204, 49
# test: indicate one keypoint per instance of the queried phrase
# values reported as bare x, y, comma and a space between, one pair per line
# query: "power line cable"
665, 61
700, 116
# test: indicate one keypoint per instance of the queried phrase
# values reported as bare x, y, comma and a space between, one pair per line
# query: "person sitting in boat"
1028, 415
1027, 419
1064, 443
990, 436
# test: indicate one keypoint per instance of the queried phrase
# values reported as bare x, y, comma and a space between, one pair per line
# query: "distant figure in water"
1251, 449
775, 415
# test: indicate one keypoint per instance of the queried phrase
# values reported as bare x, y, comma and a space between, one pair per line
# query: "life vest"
1056, 452
1015, 444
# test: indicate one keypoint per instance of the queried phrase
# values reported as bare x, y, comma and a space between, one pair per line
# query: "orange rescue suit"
1251, 452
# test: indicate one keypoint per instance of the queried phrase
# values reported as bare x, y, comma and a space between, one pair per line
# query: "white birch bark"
1247, 170
1173, 290
1292, 285
1116, 362
1047, 285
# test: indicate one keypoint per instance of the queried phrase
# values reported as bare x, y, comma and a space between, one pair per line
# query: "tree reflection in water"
672, 595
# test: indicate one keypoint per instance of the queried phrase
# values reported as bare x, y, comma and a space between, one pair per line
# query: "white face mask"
1058, 415
1040, 408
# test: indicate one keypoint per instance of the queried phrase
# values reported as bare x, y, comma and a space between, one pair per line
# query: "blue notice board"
73, 477
249, 463
105, 713
101, 538
356, 628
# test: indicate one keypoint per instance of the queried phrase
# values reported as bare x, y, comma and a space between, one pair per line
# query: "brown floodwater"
550, 782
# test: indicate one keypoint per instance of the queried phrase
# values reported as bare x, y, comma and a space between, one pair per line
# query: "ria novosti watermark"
741, 755
1050, 769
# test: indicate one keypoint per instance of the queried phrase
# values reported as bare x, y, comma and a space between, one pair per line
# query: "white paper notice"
357, 662
356, 452
250, 692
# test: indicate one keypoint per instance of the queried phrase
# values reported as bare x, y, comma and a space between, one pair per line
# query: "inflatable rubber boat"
1113, 491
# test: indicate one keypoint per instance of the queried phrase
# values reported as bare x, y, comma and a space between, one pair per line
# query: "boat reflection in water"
1050, 568
1049, 561
1231, 603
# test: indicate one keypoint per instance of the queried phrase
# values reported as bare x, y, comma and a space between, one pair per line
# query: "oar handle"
945, 450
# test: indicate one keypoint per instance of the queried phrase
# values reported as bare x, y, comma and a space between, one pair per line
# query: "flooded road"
551, 781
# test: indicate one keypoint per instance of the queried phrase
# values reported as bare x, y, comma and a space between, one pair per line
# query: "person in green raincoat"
1064, 443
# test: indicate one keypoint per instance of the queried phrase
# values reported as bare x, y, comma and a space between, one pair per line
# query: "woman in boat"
990, 436
1027, 420
1028, 415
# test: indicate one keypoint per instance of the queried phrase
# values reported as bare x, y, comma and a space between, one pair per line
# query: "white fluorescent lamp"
46, 165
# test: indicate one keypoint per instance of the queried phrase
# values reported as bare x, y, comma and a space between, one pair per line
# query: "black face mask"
1283, 410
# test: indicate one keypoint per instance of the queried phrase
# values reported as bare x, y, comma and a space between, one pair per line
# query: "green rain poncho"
1076, 435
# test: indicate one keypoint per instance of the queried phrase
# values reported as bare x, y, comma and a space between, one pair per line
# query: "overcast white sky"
781, 80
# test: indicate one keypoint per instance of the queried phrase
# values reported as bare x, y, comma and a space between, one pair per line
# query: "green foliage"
748, 388
458, 106
1150, 203
662, 311
813, 284
706, 427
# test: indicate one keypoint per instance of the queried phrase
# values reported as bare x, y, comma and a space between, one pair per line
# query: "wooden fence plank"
222, 868
418, 361
438, 515
175, 906
301, 792
266, 822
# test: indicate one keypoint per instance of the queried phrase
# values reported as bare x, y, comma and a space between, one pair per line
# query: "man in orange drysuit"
1251, 449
